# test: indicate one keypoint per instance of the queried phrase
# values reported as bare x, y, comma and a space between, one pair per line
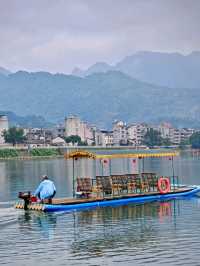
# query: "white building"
119, 133
106, 138
135, 133
165, 130
97, 136
3, 126
186, 133
132, 134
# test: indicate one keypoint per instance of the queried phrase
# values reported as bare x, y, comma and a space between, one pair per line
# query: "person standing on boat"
46, 189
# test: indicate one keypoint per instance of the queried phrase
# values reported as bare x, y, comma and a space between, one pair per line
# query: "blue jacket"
46, 189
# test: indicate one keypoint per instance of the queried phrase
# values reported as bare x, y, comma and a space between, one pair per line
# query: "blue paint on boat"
113, 202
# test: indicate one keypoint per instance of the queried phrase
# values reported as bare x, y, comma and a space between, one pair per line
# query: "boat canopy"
123, 154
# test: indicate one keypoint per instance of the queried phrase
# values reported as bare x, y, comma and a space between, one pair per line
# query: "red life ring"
163, 185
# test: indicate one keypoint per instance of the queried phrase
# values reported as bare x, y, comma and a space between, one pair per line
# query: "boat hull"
112, 202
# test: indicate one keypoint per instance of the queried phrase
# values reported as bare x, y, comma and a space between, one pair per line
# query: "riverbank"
25, 153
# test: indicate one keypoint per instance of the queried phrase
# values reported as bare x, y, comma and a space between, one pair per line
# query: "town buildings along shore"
121, 133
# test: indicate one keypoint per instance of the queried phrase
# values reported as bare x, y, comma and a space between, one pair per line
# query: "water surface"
166, 233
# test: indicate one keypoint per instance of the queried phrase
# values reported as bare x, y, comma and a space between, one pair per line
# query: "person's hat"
44, 177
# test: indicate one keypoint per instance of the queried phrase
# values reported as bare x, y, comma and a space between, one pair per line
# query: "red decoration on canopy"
104, 161
134, 161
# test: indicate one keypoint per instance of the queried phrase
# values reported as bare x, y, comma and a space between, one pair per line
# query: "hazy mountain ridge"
163, 69
98, 98
4, 71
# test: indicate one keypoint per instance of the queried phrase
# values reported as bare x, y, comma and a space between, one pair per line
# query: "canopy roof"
122, 154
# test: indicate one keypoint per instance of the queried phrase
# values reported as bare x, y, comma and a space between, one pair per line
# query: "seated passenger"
46, 189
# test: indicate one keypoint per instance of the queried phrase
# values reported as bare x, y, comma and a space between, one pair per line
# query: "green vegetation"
20, 153
44, 152
153, 138
7, 153
14, 135
195, 140
75, 139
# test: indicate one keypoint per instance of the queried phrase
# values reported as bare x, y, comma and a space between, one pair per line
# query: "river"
166, 233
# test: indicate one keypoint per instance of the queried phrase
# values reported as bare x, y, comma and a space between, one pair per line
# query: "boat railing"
174, 182
117, 185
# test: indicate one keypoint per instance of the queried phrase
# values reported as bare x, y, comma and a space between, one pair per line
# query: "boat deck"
74, 201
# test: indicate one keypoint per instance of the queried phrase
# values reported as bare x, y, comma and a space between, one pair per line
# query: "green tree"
14, 135
75, 139
195, 140
152, 138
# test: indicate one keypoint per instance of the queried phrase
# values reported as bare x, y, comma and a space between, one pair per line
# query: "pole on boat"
110, 167
172, 165
102, 167
127, 165
139, 170
94, 168
143, 164
173, 171
73, 178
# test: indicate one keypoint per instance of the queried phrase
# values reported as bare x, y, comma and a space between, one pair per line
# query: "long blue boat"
112, 190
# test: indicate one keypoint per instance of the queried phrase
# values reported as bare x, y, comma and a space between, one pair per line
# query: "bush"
6, 153
44, 152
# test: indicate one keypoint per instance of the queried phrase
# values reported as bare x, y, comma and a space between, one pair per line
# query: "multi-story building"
59, 131
106, 138
136, 133
38, 136
3, 126
97, 136
175, 136
165, 130
132, 134
88, 134
186, 133
74, 126
119, 133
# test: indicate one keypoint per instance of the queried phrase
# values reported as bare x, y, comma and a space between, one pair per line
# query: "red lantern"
134, 161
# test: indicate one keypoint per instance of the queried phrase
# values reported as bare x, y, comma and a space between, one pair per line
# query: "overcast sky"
57, 35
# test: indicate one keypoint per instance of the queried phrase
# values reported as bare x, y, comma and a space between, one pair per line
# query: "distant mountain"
163, 69
4, 71
78, 72
26, 121
98, 98
99, 67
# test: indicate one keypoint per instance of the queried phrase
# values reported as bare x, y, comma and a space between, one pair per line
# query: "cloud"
58, 35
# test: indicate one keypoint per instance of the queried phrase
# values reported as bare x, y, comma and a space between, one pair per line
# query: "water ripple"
148, 234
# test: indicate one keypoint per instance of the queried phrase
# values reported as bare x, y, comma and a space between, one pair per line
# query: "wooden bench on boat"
116, 185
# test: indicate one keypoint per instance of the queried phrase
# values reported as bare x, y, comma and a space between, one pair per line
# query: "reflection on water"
159, 232
128, 226
45, 222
